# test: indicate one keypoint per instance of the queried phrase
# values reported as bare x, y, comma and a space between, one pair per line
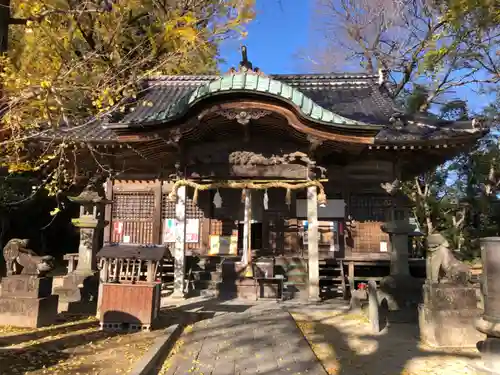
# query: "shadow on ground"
19, 338
191, 312
48, 353
243, 337
389, 352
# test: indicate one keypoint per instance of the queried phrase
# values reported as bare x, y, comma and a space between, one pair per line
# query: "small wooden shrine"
244, 168
129, 297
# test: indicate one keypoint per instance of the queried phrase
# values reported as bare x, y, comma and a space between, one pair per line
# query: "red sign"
118, 228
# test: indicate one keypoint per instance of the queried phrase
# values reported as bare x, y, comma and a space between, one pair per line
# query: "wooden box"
133, 306
264, 269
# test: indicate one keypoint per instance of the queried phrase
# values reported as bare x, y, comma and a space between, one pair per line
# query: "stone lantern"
401, 291
89, 224
81, 284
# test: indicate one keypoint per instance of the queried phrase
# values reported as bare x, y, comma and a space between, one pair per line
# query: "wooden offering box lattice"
130, 287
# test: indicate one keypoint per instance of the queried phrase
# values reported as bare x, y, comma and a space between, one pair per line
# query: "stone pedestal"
489, 323
27, 301
400, 289
78, 292
446, 318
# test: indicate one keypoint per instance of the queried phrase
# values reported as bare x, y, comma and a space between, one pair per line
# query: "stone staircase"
332, 279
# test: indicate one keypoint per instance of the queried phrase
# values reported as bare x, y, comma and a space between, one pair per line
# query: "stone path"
264, 339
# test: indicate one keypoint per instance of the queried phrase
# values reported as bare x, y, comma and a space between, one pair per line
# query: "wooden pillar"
150, 275
247, 231
350, 275
4, 25
157, 191
108, 209
312, 244
180, 236
346, 196
103, 278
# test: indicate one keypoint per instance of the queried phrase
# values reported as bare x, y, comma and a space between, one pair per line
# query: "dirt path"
345, 346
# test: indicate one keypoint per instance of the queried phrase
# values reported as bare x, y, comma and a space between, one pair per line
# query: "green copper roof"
246, 82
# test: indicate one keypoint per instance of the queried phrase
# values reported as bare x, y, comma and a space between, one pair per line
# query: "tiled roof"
412, 131
354, 99
92, 131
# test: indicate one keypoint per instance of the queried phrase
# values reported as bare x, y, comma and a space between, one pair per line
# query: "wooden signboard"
223, 245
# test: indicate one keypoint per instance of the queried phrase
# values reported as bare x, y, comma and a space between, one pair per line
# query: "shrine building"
248, 176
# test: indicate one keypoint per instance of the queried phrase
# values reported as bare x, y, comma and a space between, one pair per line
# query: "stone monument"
489, 323
450, 300
400, 290
79, 288
26, 298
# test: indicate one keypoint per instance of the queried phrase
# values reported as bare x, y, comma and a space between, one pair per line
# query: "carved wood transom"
243, 116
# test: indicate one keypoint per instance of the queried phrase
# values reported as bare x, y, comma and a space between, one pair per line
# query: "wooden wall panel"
130, 303
369, 213
367, 236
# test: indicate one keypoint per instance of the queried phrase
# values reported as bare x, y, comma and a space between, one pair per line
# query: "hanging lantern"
266, 201
288, 197
217, 200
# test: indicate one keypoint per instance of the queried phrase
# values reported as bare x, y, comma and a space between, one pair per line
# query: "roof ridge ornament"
245, 65
383, 76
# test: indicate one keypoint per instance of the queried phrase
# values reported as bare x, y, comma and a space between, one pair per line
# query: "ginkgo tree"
76, 61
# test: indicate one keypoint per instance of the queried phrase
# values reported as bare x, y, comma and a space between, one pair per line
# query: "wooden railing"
72, 260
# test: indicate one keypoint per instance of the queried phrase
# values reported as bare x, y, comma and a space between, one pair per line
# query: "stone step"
332, 278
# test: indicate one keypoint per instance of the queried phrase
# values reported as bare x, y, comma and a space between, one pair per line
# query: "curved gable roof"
253, 83
187, 93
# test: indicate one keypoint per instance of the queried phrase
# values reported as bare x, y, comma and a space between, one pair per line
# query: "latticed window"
192, 210
369, 208
134, 206
132, 216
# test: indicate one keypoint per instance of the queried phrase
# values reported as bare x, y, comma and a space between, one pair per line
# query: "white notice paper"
192, 230
383, 246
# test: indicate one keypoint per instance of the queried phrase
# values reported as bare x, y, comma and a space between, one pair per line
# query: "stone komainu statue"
442, 264
21, 260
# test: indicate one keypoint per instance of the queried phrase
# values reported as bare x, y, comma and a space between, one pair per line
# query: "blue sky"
281, 30
274, 37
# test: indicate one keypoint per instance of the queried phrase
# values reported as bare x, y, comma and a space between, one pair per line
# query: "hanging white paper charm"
266, 201
217, 200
